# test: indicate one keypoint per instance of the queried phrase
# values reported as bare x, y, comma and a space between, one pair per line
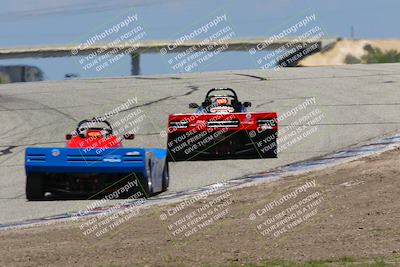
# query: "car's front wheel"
146, 182
165, 178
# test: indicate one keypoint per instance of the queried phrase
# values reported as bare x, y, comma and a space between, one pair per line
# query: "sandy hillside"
337, 55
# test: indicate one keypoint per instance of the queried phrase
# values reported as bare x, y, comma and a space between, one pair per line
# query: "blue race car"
94, 164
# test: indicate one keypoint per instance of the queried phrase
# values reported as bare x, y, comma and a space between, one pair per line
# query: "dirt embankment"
347, 210
338, 53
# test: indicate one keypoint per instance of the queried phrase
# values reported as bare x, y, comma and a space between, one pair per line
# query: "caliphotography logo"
187, 133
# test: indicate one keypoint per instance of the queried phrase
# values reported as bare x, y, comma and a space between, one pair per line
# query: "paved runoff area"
320, 109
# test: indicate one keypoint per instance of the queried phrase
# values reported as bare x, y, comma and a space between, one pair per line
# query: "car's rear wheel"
34, 189
165, 178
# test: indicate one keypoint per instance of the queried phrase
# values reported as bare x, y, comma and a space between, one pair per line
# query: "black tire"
146, 184
165, 178
34, 189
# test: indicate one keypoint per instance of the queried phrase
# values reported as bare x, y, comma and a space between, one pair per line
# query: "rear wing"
79, 160
228, 121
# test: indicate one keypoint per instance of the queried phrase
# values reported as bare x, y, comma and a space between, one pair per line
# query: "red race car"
222, 128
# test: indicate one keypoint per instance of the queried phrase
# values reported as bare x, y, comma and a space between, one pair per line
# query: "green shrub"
4, 78
376, 55
350, 59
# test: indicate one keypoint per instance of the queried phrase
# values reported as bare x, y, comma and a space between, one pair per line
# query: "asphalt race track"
358, 103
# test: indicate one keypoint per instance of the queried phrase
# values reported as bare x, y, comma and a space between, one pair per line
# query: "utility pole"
352, 32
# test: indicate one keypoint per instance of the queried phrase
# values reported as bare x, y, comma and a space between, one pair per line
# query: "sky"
42, 22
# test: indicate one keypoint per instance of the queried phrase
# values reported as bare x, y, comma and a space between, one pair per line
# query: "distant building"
20, 73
